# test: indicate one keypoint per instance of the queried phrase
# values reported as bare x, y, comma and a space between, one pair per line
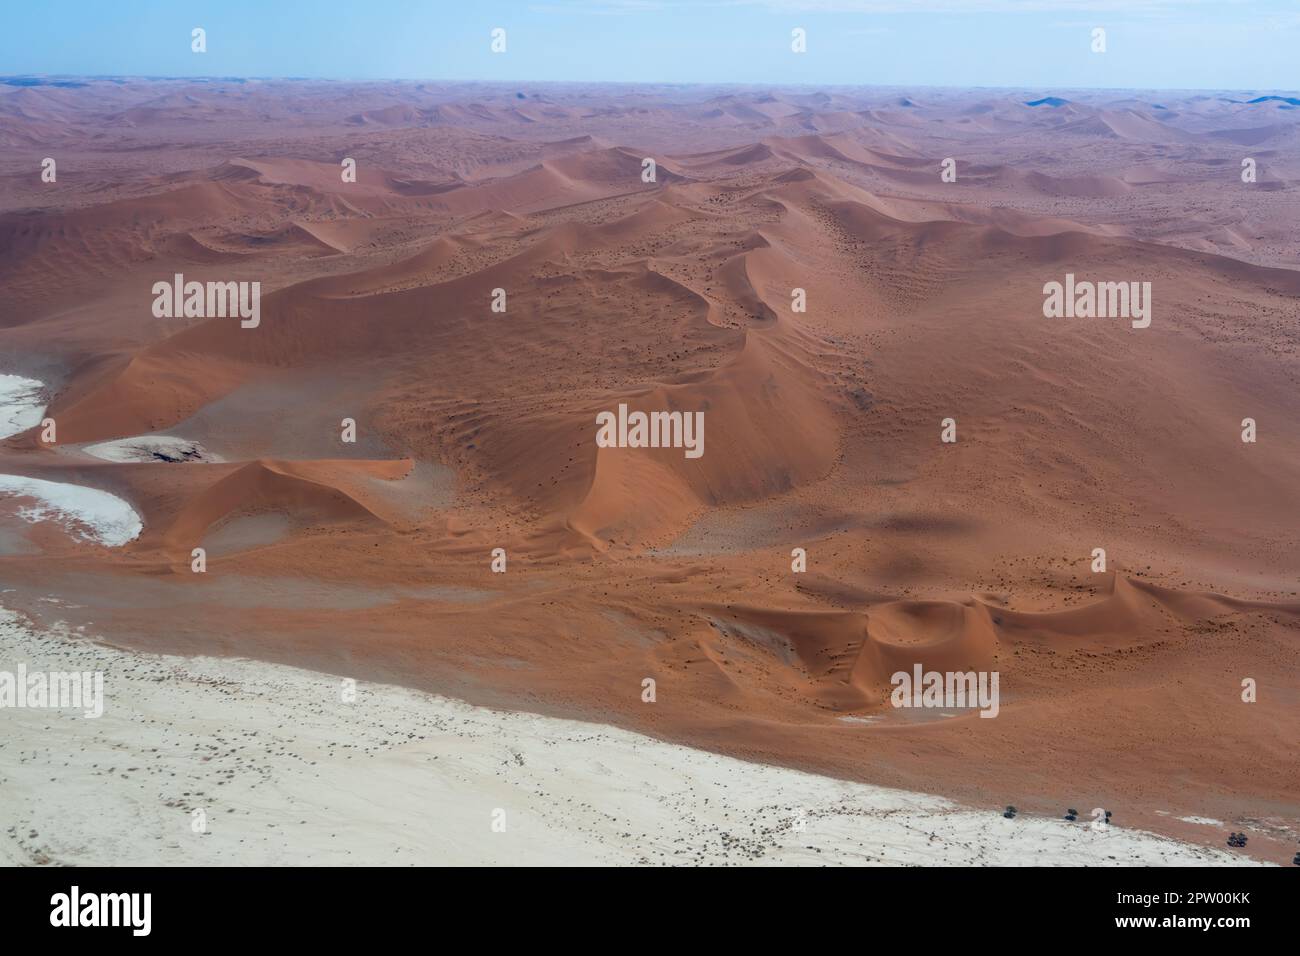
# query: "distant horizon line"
4, 78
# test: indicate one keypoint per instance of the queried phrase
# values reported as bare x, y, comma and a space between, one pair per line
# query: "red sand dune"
476, 429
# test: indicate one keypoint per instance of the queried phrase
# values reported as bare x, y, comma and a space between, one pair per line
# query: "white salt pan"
150, 448
21, 406
86, 512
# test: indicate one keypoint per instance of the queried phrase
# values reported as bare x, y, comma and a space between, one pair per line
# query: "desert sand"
475, 429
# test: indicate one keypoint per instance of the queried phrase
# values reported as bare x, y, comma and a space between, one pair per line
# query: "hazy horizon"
461, 81
987, 44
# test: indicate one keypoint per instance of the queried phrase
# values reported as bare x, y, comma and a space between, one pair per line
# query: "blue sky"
1160, 44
